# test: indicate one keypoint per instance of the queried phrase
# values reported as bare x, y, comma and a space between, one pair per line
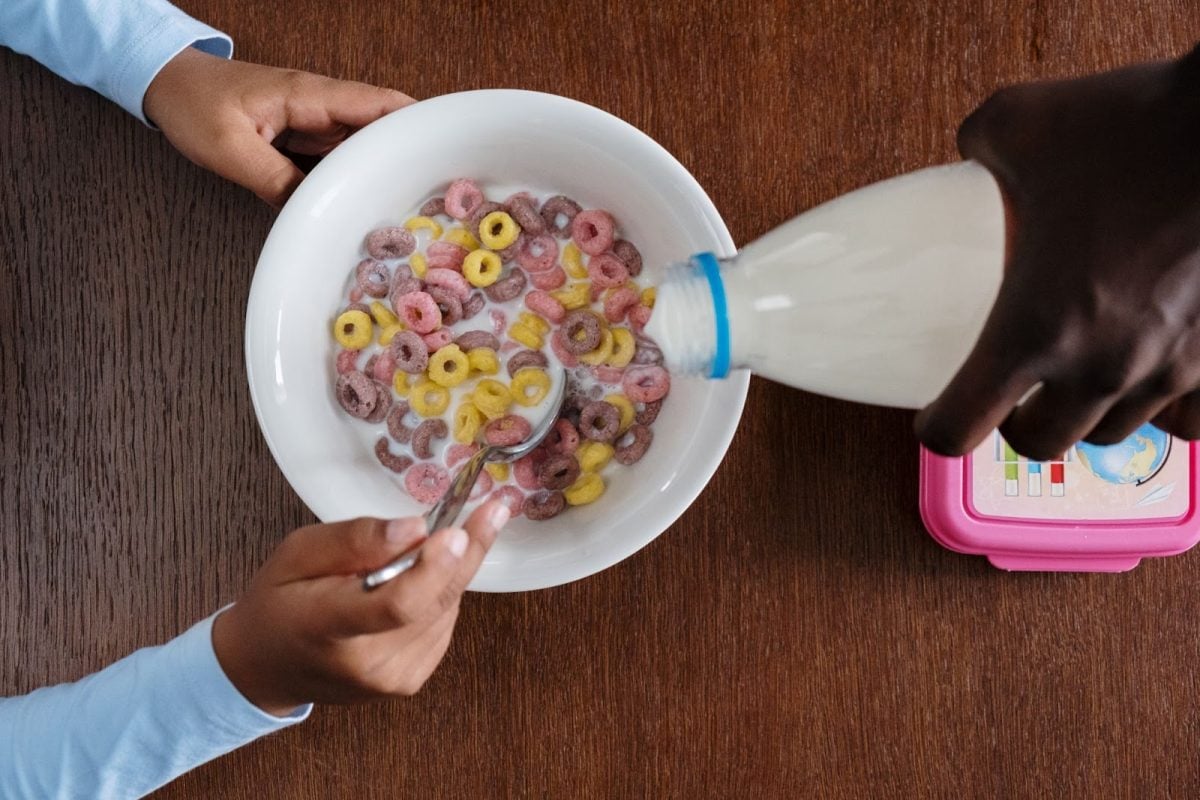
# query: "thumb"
345, 548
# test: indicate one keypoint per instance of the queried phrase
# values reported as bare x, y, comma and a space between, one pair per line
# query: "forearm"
115, 47
129, 728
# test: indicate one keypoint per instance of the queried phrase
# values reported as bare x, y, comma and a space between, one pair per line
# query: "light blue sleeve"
113, 46
130, 728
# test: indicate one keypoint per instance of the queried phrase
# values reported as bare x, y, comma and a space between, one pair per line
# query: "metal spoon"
447, 509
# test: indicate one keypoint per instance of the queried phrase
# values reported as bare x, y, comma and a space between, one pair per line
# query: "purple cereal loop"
629, 254
593, 231
558, 345
606, 271
479, 213
646, 354
599, 421
499, 321
393, 242
357, 394
424, 435
451, 281
581, 321
369, 368
648, 412
396, 463
511, 252
447, 303
433, 207
525, 359
372, 277
462, 198
507, 430
419, 311
363, 307
512, 497
558, 206
544, 505
562, 438
472, 340
507, 288
409, 352
539, 254
403, 282
383, 403
558, 471
473, 305
524, 212
638, 439
426, 482
646, 384
395, 423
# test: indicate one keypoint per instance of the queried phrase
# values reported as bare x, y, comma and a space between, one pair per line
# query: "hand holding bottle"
1100, 302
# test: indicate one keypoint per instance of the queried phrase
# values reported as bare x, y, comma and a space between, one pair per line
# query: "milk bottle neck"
691, 318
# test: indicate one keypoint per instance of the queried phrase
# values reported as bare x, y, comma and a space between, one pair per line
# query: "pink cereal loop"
419, 311
617, 305
613, 375
524, 472
463, 197
385, 368
540, 302
638, 318
563, 439
593, 231
449, 280
512, 497
499, 321
508, 430
646, 384
457, 453
568, 359
347, 361
438, 339
445, 255
548, 280
356, 295
607, 271
426, 482
539, 254
483, 485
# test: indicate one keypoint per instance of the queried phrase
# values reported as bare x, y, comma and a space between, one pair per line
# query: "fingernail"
397, 530
458, 542
499, 516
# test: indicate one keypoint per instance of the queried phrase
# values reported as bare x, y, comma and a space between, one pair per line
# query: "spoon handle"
444, 512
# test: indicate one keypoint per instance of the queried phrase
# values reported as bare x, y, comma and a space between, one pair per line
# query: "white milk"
876, 296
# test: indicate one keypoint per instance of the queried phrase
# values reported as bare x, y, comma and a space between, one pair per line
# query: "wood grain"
796, 634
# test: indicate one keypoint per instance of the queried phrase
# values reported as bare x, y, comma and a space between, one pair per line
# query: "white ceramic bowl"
506, 138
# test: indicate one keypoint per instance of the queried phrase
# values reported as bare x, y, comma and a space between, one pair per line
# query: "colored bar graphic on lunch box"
1011, 461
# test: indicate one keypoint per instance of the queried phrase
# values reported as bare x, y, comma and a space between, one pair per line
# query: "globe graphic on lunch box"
1134, 460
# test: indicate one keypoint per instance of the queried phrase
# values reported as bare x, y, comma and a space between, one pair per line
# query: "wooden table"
796, 634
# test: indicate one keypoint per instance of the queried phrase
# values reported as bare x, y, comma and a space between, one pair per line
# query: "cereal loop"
542, 303
492, 398
394, 242
629, 254
437, 340
396, 463
525, 469
638, 317
633, 445
424, 223
602, 351
544, 505
381, 314
463, 238
372, 277
581, 332
606, 271
523, 210
646, 384
449, 367
623, 349
498, 470
572, 261
472, 340
533, 322
559, 208
594, 456
418, 265
445, 255
426, 482
649, 295
649, 412
506, 431
507, 288
599, 421
526, 358
593, 231
617, 304
562, 438
447, 302
423, 436
539, 254
483, 360
460, 452
400, 385
606, 374
575, 296
558, 471
357, 394
526, 335
395, 424
347, 361
462, 198
482, 268
353, 330
559, 346
499, 321
498, 230
451, 281
428, 399
625, 407
473, 305
419, 311
385, 367
548, 280
586, 490
403, 282
530, 387
467, 421
433, 207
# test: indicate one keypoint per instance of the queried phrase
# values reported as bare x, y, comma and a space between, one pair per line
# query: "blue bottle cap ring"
712, 270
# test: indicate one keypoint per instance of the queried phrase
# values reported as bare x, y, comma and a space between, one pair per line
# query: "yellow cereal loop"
526, 335
628, 412
593, 456
400, 383
648, 297
586, 489
383, 314
572, 261
530, 386
497, 470
424, 223
498, 230
484, 360
418, 265
624, 346
602, 352
387, 334
353, 330
576, 295
492, 398
449, 366
481, 268
463, 238
467, 421
428, 399
539, 325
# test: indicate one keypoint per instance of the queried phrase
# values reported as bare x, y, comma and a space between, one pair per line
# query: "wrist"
172, 80
245, 668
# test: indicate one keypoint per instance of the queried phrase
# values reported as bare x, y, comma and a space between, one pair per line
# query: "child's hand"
306, 631
226, 116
